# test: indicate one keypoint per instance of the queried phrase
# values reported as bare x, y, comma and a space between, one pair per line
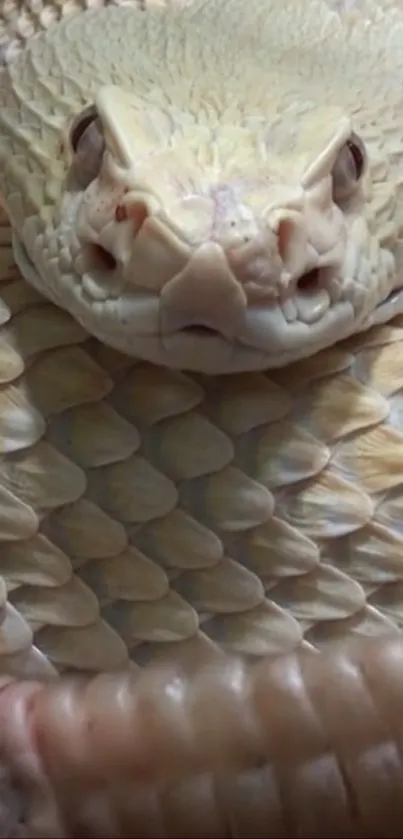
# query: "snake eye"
87, 144
349, 168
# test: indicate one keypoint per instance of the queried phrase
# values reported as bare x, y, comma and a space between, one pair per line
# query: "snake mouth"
200, 331
386, 309
392, 297
310, 299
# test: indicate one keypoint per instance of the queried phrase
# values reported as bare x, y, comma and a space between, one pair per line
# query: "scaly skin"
214, 178
274, 525
147, 514
143, 511
303, 746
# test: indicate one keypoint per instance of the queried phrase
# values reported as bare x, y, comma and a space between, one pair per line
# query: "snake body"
299, 746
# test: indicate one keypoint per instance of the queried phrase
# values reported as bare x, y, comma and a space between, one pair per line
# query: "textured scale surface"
146, 512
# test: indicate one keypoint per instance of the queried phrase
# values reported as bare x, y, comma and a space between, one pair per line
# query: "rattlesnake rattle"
300, 745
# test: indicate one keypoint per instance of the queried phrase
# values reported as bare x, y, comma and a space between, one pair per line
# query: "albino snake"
201, 188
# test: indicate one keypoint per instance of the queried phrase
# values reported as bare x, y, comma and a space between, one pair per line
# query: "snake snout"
205, 298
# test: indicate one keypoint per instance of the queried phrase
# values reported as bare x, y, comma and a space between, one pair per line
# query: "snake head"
220, 246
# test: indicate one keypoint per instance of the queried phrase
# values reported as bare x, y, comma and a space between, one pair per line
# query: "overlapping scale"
146, 513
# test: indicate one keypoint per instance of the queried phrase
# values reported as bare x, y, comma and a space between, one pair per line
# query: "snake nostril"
309, 282
101, 258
